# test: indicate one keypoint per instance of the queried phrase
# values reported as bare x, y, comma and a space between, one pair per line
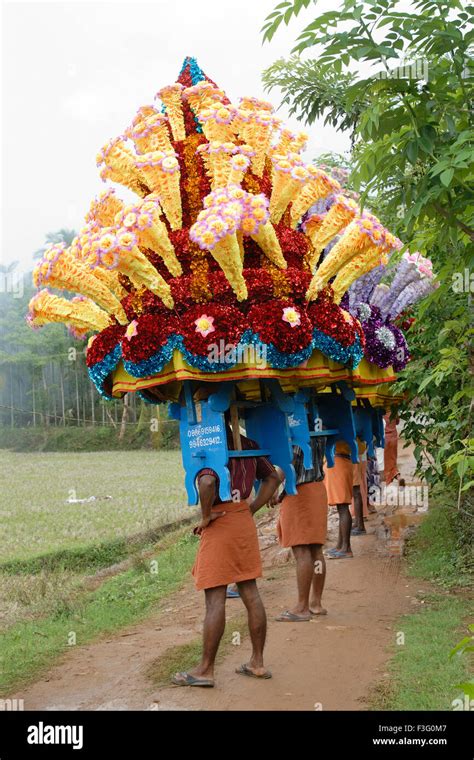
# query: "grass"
436, 553
146, 490
422, 676
29, 647
185, 656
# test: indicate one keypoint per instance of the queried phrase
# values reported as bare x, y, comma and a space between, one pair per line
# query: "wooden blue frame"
204, 438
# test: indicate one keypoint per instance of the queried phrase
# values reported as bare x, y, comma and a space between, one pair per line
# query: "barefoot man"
339, 483
302, 524
229, 553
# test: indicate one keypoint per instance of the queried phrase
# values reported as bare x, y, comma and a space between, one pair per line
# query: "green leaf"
412, 151
447, 176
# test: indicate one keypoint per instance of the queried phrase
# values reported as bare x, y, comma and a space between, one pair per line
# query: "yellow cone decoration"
117, 163
81, 312
216, 121
104, 209
360, 236
118, 249
355, 268
143, 219
341, 213
150, 133
162, 174
318, 186
289, 177
60, 269
87, 251
171, 96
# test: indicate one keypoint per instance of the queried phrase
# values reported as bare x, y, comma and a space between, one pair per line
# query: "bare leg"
304, 577
319, 578
358, 508
214, 625
345, 525
257, 621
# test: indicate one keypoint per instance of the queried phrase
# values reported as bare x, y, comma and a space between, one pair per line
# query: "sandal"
244, 670
186, 679
291, 617
341, 555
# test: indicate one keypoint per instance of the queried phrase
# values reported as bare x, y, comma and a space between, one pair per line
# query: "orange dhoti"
228, 549
390, 453
360, 479
303, 518
338, 480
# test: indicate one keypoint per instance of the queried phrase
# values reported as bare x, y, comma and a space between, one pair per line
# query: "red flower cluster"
294, 245
328, 317
228, 326
152, 332
103, 344
266, 319
299, 280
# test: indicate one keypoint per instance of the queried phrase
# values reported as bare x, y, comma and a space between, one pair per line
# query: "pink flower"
291, 316
131, 330
204, 325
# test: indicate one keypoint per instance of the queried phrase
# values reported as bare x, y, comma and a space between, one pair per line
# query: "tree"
63, 235
411, 126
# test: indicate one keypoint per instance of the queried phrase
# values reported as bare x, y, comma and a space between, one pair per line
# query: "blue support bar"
364, 429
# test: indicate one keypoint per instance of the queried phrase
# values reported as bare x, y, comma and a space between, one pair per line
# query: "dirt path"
332, 660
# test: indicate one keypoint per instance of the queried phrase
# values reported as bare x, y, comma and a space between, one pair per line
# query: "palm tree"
60, 236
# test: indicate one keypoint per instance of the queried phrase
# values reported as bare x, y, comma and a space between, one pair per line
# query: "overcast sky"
74, 74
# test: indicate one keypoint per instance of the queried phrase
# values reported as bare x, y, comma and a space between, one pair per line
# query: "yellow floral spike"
143, 113
341, 213
267, 240
121, 252
355, 268
239, 164
60, 269
163, 174
151, 133
318, 186
202, 95
240, 240
287, 182
104, 208
227, 254
172, 96
45, 307
283, 146
117, 163
88, 254
216, 121
360, 236
258, 132
145, 221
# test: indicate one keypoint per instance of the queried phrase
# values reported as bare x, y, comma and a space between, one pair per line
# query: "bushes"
89, 438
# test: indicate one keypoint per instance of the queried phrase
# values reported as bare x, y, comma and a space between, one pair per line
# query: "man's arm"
207, 495
267, 488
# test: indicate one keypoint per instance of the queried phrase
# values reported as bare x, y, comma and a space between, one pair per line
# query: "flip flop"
341, 555
232, 594
186, 679
358, 532
290, 617
332, 551
315, 614
244, 670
